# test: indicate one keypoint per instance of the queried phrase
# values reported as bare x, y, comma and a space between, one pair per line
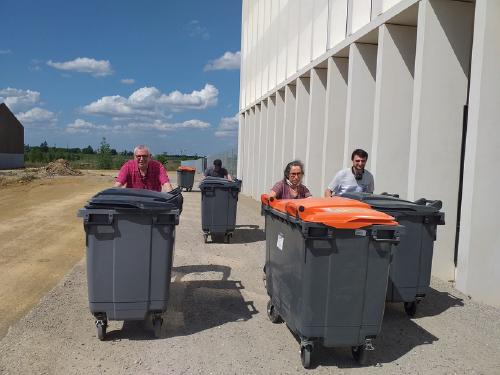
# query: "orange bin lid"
187, 169
334, 212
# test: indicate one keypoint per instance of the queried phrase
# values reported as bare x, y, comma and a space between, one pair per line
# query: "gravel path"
217, 323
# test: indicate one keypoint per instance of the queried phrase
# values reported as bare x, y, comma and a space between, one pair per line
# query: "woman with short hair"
291, 187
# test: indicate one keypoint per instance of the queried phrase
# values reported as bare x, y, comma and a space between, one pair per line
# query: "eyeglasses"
295, 174
141, 156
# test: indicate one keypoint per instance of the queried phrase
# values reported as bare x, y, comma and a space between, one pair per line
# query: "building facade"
11, 140
413, 82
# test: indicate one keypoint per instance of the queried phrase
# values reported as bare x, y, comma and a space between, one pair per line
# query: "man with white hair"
143, 173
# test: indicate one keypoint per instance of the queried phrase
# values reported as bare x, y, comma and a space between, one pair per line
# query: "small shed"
11, 140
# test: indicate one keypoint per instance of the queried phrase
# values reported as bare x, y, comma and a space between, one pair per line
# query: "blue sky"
162, 73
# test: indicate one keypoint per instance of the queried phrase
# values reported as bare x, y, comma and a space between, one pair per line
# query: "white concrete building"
416, 83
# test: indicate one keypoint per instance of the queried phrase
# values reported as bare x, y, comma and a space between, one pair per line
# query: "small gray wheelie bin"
327, 265
410, 273
130, 235
219, 200
185, 177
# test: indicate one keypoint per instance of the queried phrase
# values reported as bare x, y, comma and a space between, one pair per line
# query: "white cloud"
149, 102
228, 61
97, 68
195, 30
82, 126
17, 99
38, 116
5, 52
128, 81
228, 127
159, 125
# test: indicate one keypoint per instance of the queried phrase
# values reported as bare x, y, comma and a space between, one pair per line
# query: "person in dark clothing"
218, 171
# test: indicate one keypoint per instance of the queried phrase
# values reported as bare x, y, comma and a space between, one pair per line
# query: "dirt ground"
40, 236
216, 321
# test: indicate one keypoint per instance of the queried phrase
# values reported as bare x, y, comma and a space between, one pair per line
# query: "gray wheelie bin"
327, 265
219, 199
410, 273
130, 236
185, 177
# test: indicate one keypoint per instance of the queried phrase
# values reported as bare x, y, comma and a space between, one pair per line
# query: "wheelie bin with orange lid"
185, 177
327, 265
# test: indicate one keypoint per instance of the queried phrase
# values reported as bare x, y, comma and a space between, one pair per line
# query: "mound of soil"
61, 167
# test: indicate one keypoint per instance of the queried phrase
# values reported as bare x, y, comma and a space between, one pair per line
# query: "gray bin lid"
219, 182
136, 199
383, 202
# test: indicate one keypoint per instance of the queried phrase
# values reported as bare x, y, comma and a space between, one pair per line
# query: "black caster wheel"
227, 237
157, 323
272, 313
205, 236
305, 355
218, 237
189, 189
411, 308
360, 354
101, 330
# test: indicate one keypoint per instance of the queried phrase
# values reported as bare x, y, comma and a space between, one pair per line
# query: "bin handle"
234, 193
390, 195
389, 240
395, 240
437, 204
86, 220
209, 192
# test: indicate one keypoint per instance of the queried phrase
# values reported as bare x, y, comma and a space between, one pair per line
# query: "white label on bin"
360, 232
279, 243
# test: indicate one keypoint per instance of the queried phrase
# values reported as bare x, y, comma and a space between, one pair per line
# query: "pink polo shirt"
155, 177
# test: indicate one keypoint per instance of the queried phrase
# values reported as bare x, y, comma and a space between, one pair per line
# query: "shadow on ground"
399, 334
436, 302
248, 234
196, 304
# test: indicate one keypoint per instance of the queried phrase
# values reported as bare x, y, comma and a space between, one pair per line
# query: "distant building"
11, 140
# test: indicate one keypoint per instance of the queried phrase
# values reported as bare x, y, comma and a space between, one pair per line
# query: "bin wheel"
205, 236
227, 238
411, 308
218, 237
360, 354
272, 313
157, 323
305, 355
189, 189
101, 330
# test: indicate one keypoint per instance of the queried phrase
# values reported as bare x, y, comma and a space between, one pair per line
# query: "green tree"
162, 159
35, 155
88, 150
44, 146
104, 159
